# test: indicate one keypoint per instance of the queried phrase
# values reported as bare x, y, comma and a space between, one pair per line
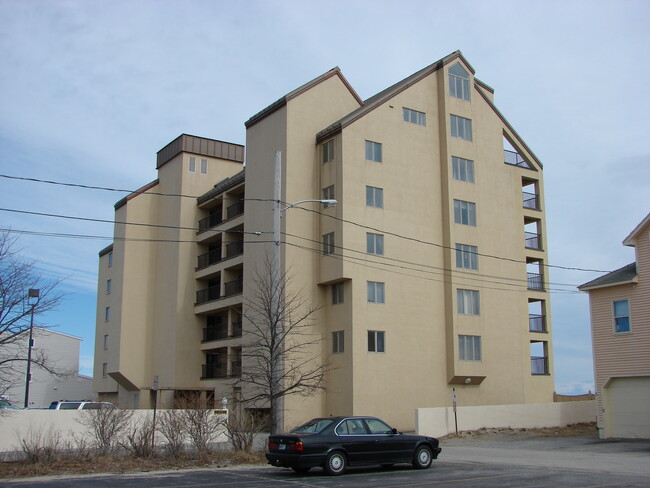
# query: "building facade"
620, 325
428, 274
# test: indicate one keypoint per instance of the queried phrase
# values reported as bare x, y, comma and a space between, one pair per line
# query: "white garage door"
627, 407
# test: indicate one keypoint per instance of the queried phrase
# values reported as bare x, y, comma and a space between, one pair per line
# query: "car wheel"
422, 457
301, 470
335, 463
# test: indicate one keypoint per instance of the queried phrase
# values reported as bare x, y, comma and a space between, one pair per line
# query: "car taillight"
298, 446
273, 445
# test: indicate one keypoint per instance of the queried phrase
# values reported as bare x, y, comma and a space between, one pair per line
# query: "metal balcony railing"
235, 368
533, 240
530, 200
208, 295
209, 258
538, 365
237, 328
215, 333
536, 323
235, 209
514, 159
235, 248
214, 370
535, 281
209, 222
234, 287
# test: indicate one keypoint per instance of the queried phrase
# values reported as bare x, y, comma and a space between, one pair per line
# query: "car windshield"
313, 426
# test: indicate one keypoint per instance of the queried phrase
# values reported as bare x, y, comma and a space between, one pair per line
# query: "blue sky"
91, 90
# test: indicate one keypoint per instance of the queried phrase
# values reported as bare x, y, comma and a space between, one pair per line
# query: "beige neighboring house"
620, 325
429, 272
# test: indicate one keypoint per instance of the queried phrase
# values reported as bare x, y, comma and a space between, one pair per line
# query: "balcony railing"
208, 295
209, 258
533, 240
209, 222
535, 281
539, 365
531, 200
536, 323
235, 368
235, 209
214, 370
215, 333
234, 287
514, 159
237, 328
235, 248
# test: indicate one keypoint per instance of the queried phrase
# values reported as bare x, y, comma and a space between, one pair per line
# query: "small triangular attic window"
458, 70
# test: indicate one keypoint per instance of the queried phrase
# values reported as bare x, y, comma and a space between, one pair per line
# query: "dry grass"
127, 464
588, 428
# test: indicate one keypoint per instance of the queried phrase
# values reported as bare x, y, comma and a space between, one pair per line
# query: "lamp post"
32, 299
279, 208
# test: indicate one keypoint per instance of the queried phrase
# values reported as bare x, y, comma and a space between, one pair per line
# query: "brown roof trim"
201, 146
222, 186
106, 250
385, 95
278, 104
630, 240
134, 194
510, 127
485, 86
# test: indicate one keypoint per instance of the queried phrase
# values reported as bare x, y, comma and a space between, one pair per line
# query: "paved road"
581, 462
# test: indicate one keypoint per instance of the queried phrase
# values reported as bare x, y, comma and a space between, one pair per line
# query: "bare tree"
107, 426
17, 277
278, 345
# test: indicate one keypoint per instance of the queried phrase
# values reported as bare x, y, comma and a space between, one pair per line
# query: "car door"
354, 438
387, 446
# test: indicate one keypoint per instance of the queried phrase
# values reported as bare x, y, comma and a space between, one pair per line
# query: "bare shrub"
107, 426
202, 423
140, 439
40, 445
171, 424
242, 429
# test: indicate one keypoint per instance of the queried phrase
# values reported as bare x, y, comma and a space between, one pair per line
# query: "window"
328, 193
109, 286
377, 426
204, 166
110, 258
338, 342
373, 151
107, 314
105, 370
465, 213
374, 197
461, 127
374, 243
105, 342
463, 169
351, 427
469, 348
337, 293
466, 256
468, 302
459, 82
328, 243
327, 151
414, 117
621, 316
375, 292
192, 167
376, 341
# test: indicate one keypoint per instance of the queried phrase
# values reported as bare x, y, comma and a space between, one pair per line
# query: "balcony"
530, 200
208, 295
533, 241
539, 365
536, 323
209, 222
235, 368
234, 287
237, 328
235, 248
535, 281
215, 332
209, 258
514, 159
235, 210
214, 370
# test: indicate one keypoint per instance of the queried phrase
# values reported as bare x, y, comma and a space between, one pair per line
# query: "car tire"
301, 470
423, 457
335, 464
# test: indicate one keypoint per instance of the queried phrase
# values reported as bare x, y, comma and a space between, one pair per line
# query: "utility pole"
277, 402
32, 299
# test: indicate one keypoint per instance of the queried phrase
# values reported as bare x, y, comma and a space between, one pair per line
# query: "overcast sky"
91, 90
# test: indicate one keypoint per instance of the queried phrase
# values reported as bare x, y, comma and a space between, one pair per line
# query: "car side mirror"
395, 431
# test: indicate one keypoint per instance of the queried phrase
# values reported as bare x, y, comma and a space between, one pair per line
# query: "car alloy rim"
424, 456
336, 462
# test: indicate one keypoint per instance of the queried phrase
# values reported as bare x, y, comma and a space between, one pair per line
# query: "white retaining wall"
439, 421
17, 424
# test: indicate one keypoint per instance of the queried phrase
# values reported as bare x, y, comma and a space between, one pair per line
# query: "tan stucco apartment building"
620, 326
429, 273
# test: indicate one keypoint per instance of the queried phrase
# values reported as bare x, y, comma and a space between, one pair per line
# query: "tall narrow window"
328, 243
621, 316
465, 213
468, 302
376, 341
204, 166
374, 197
104, 370
469, 348
107, 314
110, 258
373, 151
462, 169
414, 117
328, 193
327, 153
106, 342
459, 82
109, 286
192, 164
466, 256
338, 342
461, 127
374, 243
337, 293
375, 292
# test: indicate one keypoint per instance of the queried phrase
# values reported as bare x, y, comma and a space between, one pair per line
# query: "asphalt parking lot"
583, 462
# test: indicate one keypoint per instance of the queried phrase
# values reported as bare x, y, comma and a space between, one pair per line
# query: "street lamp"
32, 299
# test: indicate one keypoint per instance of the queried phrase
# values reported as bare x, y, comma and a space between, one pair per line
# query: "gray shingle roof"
626, 274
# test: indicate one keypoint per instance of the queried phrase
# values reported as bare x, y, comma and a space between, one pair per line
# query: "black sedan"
334, 443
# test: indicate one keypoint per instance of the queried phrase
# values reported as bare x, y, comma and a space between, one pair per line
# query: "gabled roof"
336, 71
381, 97
622, 276
631, 239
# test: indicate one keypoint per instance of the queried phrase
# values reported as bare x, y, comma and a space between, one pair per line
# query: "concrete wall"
60, 424
440, 421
